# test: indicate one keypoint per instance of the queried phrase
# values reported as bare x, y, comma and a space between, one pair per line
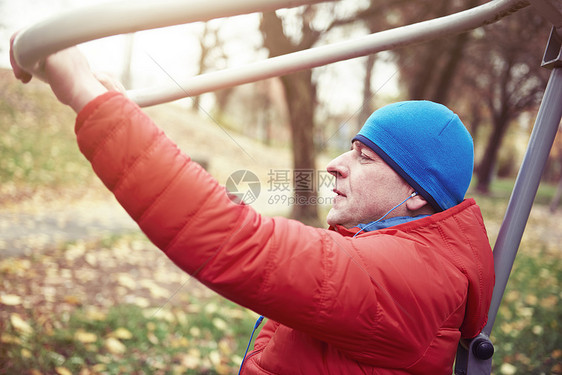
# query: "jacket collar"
406, 224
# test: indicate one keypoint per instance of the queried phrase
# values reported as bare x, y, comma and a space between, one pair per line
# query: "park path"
34, 226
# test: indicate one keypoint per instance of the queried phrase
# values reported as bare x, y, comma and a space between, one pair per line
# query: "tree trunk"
367, 106
486, 166
447, 74
300, 100
300, 94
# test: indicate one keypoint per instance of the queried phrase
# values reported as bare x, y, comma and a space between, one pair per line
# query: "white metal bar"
120, 17
45, 38
314, 57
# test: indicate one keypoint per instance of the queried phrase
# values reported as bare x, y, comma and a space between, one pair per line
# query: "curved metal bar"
389, 39
50, 36
126, 16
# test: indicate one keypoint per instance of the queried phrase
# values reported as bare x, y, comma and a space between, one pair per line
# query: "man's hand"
68, 74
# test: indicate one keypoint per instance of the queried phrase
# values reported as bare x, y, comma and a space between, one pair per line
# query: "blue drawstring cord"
258, 322
385, 215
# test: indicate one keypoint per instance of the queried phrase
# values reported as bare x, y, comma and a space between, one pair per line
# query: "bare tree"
506, 76
212, 54
300, 94
428, 70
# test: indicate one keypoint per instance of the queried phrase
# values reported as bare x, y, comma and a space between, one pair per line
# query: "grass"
37, 145
128, 339
526, 333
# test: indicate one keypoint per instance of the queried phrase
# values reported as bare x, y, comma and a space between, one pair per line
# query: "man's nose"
338, 166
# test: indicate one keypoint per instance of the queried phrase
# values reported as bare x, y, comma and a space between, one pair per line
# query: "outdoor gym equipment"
35, 43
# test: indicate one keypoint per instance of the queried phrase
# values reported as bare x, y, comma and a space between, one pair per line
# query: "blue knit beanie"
425, 143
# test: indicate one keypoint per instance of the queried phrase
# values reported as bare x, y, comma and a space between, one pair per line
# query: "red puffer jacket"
395, 300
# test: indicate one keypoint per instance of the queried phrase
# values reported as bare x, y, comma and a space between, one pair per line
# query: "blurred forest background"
83, 305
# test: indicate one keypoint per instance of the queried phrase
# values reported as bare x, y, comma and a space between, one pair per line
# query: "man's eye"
365, 157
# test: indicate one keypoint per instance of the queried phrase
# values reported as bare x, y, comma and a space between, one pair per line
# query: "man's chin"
332, 217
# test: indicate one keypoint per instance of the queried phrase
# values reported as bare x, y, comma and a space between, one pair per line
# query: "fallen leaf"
85, 337
215, 358
121, 333
155, 290
10, 300
6, 338
114, 346
195, 331
152, 338
508, 369
192, 359
63, 371
99, 367
95, 314
220, 324
126, 280
26, 353
19, 324
72, 300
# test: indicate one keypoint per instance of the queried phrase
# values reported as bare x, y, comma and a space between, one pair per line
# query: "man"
403, 273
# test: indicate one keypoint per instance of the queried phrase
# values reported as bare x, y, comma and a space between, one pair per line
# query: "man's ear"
416, 203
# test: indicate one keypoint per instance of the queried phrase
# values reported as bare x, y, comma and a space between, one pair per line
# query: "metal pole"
475, 357
526, 185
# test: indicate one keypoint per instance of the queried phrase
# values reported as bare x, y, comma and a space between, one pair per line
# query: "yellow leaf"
26, 353
63, 371
35, 372
19, 324
220, 324
85, 337
100, 367
223, 369
121, 333
141, 302
6, 338
224, 347
152, 338
508, 369
215, 358
95, 314
126, 281
192, 359
10, 300
155, 290
538, 330
195, 331
114, 346
72, 300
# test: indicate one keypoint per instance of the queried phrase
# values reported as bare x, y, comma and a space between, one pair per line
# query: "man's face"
366, 188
